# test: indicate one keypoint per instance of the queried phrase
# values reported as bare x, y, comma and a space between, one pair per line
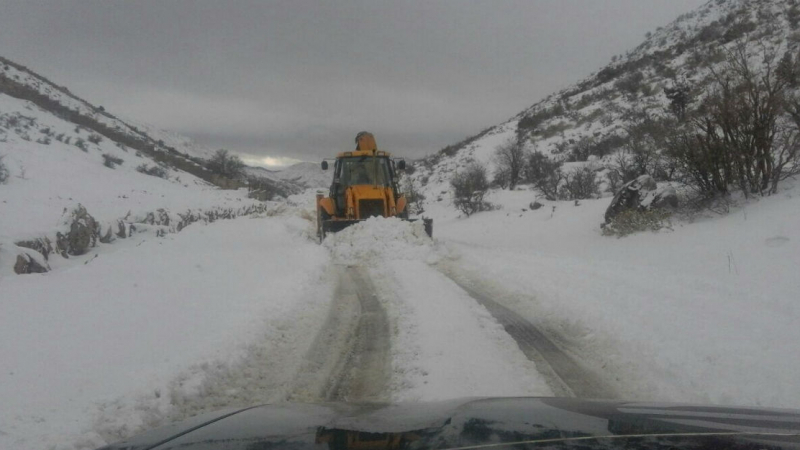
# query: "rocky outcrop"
642, 194
27, 264
83, 234
41, 245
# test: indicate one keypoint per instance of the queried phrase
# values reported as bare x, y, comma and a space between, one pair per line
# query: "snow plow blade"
332, 226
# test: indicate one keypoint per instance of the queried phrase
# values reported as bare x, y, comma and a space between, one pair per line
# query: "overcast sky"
298, 79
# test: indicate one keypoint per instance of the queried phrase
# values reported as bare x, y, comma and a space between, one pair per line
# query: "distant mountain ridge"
19, 82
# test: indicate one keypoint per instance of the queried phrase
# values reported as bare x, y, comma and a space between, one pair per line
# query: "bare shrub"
510, 160
544, 174
469, 188
588, 146
94, 138
581, 183
745, 133
413, 195
111, 161
156, 171
630, 84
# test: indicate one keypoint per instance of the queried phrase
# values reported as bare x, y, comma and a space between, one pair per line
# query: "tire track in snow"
349, 360
563, 374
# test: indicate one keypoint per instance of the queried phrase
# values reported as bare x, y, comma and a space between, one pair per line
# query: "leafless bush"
469, 188
510, 160
745, 133
544, 174
155, 171
413, 196
630, 84
111, 161
95, 138
581, 183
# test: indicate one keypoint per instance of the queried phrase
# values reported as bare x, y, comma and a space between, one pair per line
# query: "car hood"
476, 423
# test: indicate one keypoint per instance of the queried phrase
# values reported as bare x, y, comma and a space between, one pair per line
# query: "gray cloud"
299, 78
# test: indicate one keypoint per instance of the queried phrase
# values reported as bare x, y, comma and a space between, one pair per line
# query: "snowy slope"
59, 151
19, 76
592, 117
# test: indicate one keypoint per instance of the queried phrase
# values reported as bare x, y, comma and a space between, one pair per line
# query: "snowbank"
705, 312
158, 329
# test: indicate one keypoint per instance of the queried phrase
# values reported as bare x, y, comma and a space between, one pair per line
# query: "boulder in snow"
28, 264
83, 233
41, 245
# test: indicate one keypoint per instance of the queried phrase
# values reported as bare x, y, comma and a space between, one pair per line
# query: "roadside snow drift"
706, 312
158, 329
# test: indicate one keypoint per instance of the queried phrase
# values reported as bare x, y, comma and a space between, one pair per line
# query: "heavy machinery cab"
364, 185
364, 170
367, 174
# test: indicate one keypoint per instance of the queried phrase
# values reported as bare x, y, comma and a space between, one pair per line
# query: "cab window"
364, 170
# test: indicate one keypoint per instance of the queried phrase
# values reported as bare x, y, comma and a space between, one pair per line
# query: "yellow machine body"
364, 185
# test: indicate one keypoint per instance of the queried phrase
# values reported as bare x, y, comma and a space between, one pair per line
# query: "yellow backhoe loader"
364, 185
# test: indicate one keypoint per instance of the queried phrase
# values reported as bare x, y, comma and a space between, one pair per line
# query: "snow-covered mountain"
305, 174
591, 120
60, 154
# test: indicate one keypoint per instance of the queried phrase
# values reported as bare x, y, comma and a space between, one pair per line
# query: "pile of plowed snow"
380, 237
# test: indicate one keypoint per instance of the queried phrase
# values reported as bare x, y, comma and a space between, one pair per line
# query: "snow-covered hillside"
59, 154
20, 82
590, 122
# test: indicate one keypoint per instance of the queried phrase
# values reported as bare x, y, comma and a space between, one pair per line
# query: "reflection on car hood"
480, 423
